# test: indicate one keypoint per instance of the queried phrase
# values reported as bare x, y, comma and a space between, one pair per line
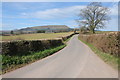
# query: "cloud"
56, 13
114, 9
52, 16
17, 5
24, 14
5, 26
60, 1
10, 26
112, 25
62, 13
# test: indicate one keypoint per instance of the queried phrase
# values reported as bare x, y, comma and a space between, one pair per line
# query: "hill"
45, 29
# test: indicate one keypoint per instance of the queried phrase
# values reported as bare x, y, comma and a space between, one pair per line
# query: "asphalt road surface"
76, 60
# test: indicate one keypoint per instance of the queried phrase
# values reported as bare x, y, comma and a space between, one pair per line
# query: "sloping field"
35, 36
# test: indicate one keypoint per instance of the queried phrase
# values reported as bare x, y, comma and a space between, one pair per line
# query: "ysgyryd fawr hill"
41, 29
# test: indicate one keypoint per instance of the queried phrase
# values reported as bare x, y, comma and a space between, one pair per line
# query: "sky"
17, 15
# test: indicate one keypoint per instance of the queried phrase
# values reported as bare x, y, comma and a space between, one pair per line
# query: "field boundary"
12, 62
106, 57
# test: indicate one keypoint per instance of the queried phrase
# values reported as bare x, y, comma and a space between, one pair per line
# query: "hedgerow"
16, 54
108, 42
10, 62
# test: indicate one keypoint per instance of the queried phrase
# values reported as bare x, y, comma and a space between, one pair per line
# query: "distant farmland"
35, 36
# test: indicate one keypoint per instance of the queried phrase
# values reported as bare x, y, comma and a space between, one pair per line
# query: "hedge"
19, 53
10, 63
26, 47
108, 42
66, 37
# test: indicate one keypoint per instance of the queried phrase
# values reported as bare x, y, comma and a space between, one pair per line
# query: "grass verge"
10, 63
65, 42
109, 59
0, 64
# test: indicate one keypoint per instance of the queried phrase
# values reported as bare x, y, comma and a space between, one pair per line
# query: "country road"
76, 60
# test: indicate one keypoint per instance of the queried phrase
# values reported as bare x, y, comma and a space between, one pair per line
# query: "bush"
66, 37
25, 47
41, 31
108, 43
18, 53
13, 62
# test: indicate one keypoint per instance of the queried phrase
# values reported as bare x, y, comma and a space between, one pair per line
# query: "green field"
35, 36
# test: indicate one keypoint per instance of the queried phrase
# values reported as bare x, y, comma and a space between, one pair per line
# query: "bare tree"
94, 16
83, 29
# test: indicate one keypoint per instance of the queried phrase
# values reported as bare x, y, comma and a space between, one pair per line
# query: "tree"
94, 16
41, 31
12, 32
83, 29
